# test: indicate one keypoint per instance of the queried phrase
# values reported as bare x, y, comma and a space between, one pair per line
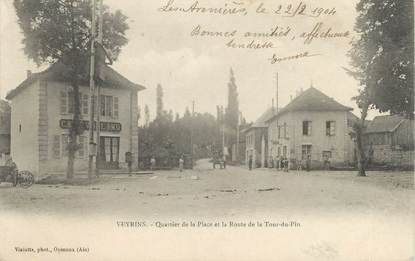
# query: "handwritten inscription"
275, 36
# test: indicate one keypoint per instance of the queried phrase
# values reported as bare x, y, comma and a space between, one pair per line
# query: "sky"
161, 50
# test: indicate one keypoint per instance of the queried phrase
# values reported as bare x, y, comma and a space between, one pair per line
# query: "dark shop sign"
104, 126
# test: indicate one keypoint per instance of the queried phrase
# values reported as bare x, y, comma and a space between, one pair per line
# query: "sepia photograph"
207, 130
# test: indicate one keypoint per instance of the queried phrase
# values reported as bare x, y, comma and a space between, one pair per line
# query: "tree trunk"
360, 151
75, 129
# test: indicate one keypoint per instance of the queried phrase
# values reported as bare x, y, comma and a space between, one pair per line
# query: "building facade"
389, 140
314, 126
256, 140
5, 114
41, 115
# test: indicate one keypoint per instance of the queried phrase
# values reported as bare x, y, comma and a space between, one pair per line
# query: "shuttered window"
116, 107
85, 103
64, 102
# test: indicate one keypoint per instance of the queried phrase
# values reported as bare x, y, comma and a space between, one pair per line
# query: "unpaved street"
337, 212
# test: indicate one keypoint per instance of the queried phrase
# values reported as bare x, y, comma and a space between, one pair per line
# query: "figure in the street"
129, 161
250, 162
152, 163
181, 163
286, 164
308, 163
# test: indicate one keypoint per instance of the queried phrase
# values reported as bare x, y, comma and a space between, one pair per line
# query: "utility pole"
92, 145
276, 109
98, 100
223, 132
191, 134
237, 138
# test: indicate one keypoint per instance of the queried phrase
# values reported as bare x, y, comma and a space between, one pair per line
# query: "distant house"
256, 139
390, 140
5, 113
314, 125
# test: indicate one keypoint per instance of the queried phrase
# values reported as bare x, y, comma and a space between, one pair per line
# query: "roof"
386, 123
59, 72
261, 122
312, 100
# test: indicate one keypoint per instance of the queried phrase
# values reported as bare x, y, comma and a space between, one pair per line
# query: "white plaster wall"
339, 145
55, 116
24, 143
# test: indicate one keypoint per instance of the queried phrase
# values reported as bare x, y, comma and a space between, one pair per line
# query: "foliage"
60, 31
382, 55
382, 60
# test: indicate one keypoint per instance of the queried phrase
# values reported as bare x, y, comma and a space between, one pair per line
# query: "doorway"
109, 152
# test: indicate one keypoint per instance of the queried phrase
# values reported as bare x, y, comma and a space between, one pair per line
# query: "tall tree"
159, 101
60, 31
231, 112
146, 116
382, 58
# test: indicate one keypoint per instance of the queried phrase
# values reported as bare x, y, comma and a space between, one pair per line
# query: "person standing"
250, 162
181, 163
308, 163
152, 163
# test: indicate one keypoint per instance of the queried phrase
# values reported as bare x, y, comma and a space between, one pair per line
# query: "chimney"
28, 73
291, 97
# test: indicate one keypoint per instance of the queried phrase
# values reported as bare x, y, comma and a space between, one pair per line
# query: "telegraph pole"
92, 145
98, 100
237, 138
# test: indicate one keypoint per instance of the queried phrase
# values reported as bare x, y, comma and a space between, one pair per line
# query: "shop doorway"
109, 152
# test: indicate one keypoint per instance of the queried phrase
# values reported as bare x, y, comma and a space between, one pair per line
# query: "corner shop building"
42, 112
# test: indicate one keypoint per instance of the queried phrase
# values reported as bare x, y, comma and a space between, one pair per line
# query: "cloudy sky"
161, 50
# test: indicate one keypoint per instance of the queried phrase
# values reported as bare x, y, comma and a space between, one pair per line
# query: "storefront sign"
104, 126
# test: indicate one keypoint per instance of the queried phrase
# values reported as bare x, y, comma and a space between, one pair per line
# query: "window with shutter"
108, 106
64, 100
70, 101
56, 146
116, 107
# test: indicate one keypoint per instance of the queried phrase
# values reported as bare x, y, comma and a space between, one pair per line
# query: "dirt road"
332, 215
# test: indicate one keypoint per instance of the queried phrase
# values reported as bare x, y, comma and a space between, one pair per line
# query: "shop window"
305, 151
330, 128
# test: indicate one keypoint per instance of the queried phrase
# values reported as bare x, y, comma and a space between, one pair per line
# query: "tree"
231, 112
60, 31
159, 101
382, 60
146, 116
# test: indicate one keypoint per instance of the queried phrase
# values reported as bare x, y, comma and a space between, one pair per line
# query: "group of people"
283, 163
153, 163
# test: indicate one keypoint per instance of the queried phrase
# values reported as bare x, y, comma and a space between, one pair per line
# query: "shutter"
65, 142
81, 150
116, 107
333, 128
64, 101
56, 146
